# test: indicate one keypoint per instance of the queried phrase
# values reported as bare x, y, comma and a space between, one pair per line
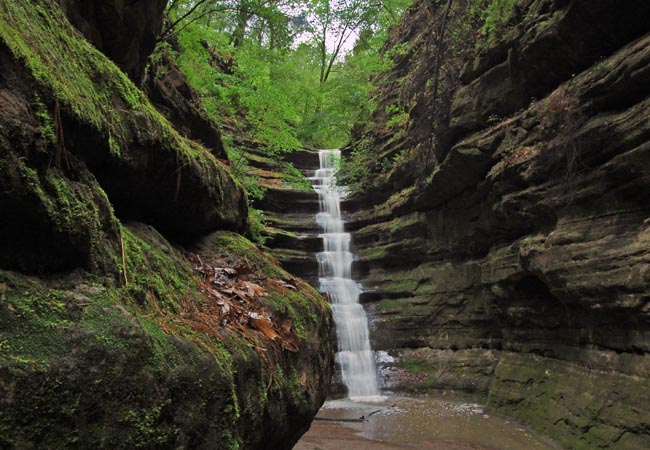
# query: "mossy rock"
88, 362
54, 220
101, 118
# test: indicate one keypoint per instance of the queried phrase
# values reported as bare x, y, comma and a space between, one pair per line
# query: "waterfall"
355, 357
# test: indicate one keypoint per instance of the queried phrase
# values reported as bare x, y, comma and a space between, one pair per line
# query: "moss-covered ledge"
91, 110
187, 353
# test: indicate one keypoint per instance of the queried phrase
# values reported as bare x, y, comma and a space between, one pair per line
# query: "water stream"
355, 357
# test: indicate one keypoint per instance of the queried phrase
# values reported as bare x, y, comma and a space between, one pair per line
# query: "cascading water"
355, 357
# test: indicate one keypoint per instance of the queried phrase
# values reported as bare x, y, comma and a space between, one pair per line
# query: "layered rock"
112, 335
67, 107
290, 206
169, 90
507, 256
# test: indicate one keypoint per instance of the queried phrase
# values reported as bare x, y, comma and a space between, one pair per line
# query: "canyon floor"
416, 423
335, 436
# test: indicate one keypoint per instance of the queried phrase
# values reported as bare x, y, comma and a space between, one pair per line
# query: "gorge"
498, 176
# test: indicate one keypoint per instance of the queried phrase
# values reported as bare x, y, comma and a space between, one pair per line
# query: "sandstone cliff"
111, 334
506, 254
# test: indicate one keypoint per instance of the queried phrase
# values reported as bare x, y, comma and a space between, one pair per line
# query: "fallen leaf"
265, 326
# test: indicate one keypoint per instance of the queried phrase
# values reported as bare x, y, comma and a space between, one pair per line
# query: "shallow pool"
424, 422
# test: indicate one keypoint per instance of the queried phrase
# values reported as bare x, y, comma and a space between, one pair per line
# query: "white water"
335, 272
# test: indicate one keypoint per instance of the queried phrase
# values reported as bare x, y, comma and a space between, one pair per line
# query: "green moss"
77, 74
405, 286
580, 408
414, 365
253, 257
69, 204
495, 16
144, 421
295, 388
390, 303
91, 87
155, 279
41, 324
103, 362
44, 120
376, 252
33, 320
295, 178
284, 304
287, 383
75, 214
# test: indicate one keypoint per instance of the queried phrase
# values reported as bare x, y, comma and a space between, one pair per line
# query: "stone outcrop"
57, 115
290, 206
168, 359
507, 257
125, 31
169, 90
112, 334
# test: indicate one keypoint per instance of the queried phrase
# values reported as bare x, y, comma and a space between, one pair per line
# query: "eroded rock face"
110, 335
105, 131
520, 258
168, 89
290, 206
125, 31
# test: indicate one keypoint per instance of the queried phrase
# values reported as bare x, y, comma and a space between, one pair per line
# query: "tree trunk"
243, 16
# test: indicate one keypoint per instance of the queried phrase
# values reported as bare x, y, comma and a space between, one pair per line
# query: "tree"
333, 23
268, 21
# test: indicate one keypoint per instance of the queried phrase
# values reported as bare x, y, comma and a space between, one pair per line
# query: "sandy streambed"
416, 423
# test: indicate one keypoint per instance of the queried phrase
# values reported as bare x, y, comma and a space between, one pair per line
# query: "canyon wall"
506, 253
112, 333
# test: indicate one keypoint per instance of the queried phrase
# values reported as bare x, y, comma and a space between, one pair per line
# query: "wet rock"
121, 340
305, 160
54, 218
519, 256
550, 44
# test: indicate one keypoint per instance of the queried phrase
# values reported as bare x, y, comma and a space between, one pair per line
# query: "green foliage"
355, 170
252, 91
295, 178
257, 223
44, 120
493, 15
387, 163
398, 117
280, 96
494, 119
276, 92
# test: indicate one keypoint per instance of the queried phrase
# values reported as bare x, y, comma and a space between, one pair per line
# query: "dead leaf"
265, 326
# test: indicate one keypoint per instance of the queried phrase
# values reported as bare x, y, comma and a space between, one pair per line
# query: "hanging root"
126, 279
